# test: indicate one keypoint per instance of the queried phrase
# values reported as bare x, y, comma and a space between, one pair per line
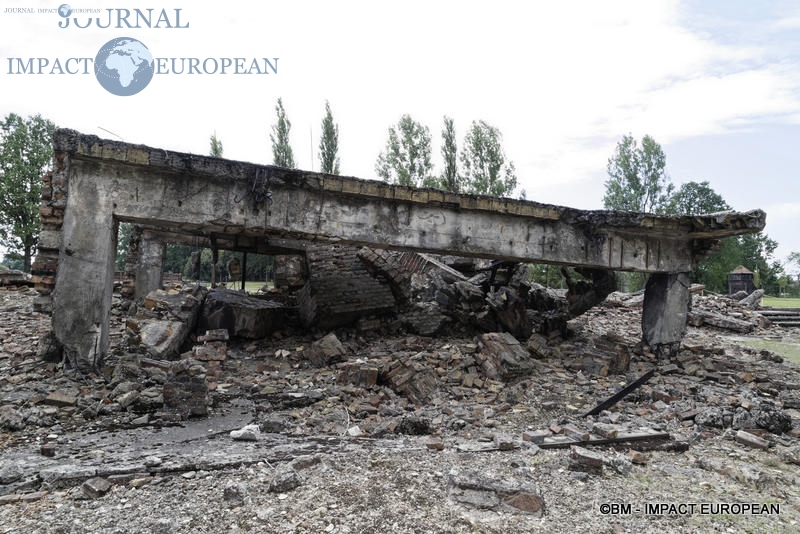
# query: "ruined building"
212, 202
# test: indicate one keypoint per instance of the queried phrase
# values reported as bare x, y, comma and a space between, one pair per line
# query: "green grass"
249, 286
790, 351
781, 302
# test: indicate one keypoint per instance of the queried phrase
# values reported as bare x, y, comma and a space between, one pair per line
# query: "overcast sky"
717, 84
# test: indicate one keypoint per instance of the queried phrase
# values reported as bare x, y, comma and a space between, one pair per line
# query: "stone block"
325, 351
96, 487
186, 390
358, 374
59, 398
247, 433
502, 356
478, 491
163, 339
240, 314
751, 440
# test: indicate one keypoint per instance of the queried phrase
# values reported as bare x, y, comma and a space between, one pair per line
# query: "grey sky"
716, 83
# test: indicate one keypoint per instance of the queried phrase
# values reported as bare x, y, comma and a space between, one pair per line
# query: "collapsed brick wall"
51, 215
340, 289
290, 271
400, 267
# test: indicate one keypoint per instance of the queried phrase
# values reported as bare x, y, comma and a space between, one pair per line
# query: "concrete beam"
195, 194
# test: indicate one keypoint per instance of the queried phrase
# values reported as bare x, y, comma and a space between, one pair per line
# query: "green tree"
695, 198
123, 243
407, 157
26, 154
215, 148
794, 258
637, 178
282, 155
484, 162
449, 181
329, 143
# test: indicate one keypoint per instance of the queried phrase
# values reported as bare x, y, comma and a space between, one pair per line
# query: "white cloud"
562, 80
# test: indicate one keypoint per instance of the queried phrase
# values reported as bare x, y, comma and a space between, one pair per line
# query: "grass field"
788, 350
778, 302
249, 286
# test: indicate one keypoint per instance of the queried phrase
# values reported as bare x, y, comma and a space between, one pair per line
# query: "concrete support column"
149, 266
244, 269
214, 260
666, 307
85, 277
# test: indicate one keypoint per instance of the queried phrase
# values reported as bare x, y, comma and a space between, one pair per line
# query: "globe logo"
64, 10
123, 66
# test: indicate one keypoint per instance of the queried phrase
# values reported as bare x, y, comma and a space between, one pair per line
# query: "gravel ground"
315, 475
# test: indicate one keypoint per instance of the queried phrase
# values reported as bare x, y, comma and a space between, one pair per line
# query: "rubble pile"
482, 427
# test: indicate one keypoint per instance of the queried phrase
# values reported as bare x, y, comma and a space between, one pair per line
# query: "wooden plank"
611, 401
620, 439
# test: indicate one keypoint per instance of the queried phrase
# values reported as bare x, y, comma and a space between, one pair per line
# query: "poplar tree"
215, 146
282, 155
637, 177
407, 157
329, 143
449, 181
483, 160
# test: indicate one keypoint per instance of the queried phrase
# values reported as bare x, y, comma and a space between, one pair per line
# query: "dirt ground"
338, 453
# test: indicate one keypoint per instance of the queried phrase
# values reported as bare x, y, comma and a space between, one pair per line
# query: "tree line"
481, 167
637, 181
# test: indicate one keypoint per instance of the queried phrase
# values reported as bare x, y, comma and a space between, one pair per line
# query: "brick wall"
51, 214
340, 288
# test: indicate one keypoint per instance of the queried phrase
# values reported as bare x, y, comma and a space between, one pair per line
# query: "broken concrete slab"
666, 304
166, 320
502, 356
424, 318
753, 300
186, 391
478, 491
706, 317
96, 487
325, 351
242, 315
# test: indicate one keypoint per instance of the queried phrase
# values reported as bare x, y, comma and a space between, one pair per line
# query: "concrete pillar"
244, 270
149, 266
666, 307
85, 277
214, 260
